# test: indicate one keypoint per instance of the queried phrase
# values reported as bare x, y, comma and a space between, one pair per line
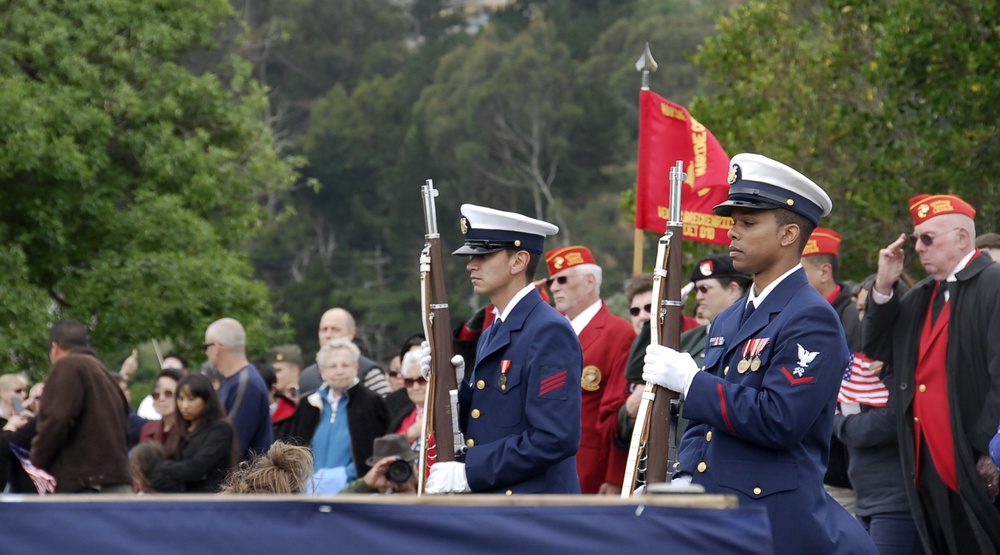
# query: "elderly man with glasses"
943, 339
575, 282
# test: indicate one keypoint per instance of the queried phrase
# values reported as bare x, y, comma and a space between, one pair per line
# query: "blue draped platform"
380, 524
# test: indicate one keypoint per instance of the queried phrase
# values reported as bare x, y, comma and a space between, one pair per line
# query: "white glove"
447, 477
668, 368
425, 360
425, 363
459, 363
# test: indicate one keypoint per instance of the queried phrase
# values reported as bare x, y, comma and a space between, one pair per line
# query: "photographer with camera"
392, 468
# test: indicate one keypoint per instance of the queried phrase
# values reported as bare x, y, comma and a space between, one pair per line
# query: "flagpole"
645, 64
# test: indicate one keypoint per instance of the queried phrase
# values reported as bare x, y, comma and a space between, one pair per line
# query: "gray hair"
594, 270
410, 360
323, 356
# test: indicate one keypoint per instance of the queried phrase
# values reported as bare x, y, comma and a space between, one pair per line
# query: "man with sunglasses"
519, 405
575, 282
943, 339
761, 408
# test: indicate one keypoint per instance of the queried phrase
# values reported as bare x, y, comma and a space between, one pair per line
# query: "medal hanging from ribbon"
504, 366
751, 354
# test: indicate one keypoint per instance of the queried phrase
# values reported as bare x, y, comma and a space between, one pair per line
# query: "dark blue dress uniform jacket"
764, 435
524, 438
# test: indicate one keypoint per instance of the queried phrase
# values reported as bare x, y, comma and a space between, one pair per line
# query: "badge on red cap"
822, 241
925, 207
567, 257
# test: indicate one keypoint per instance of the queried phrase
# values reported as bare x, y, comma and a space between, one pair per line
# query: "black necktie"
938, 302
747, 312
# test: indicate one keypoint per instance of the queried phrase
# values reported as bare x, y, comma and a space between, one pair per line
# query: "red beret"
925, 207
567, 257
822, 241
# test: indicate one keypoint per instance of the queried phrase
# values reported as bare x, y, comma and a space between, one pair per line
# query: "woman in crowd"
868, 429
202, 446
16, 426
340, 420
164, 404
409, 422
284, 469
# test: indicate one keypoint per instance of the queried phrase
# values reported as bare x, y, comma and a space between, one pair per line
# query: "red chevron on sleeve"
793, 380
552, 383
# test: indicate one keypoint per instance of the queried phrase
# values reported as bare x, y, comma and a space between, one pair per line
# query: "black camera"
399, 472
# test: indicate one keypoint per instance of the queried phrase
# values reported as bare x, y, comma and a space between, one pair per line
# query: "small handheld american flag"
44, 482
862, 385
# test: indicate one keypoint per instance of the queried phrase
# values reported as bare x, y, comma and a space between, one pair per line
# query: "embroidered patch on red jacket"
552, 383
793, 380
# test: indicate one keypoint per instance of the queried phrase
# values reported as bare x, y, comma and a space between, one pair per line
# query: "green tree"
504, 112
129, 184
876, 102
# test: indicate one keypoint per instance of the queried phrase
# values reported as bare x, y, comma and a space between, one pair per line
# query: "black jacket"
201, 462
11, 470
870, 437
892, 334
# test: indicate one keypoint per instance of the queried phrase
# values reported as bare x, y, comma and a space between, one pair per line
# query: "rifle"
651, 435
441, 411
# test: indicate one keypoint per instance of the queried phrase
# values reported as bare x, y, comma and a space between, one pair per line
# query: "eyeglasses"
394, 373
635, 310
704, 289
207, 345
928, 238
410, 382
165, 394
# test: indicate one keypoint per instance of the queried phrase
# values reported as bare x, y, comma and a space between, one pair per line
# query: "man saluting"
761, 412
520, 406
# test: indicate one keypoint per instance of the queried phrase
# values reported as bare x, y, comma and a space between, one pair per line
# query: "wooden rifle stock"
651, 436
437, 330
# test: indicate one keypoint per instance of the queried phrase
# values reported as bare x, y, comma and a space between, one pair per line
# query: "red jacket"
606, 341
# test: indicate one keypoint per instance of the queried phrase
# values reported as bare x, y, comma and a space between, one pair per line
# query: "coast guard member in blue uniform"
520, 406
761, 411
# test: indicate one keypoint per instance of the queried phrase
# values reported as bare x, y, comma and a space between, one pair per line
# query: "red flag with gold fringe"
668, 133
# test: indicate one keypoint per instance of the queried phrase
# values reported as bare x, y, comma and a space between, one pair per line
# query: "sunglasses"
410, 382
561, 280
394, 373
928, 238
635, 310
164, 394
703, 289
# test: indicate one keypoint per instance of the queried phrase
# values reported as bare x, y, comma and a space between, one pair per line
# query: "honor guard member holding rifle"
519, 407
761, 411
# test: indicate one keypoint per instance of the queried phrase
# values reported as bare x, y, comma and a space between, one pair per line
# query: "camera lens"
399, 472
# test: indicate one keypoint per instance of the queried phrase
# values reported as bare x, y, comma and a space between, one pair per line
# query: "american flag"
862, 385
44, 482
